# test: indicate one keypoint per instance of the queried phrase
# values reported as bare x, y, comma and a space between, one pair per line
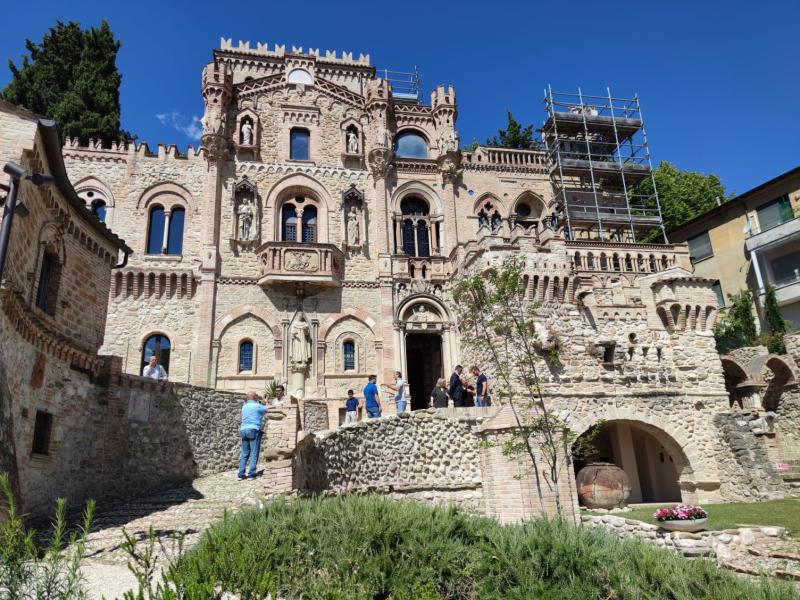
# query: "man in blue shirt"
351, 408
252, 416
372, 401
482, 385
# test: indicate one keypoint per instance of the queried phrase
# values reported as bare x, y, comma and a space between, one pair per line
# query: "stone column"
165, 238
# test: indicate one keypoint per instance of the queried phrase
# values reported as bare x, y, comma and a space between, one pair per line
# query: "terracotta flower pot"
690, 525
603, 485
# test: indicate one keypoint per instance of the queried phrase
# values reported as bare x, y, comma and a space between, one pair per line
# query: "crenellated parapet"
123, 152
280, 51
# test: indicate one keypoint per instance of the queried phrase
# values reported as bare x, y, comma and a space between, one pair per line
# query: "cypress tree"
777, 324
72, 78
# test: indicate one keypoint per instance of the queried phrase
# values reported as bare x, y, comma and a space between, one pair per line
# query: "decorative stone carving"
353, 228
300, 350
300, 261
380, 161
450, 166
247, 214
352, 142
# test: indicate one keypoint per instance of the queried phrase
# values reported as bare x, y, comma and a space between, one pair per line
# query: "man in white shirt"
154, 370
399, 389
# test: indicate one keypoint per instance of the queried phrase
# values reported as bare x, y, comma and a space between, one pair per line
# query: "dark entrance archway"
423, 365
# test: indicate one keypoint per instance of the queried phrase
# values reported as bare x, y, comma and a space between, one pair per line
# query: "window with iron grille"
349, 350
246, 356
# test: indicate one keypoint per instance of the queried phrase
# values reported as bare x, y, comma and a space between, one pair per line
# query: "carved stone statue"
301, 343
246, 221
247, 133
353, 228
352, 142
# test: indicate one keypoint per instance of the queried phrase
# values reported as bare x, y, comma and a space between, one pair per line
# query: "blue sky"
719, 81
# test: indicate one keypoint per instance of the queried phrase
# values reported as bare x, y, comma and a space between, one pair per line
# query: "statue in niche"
246, 214
353, 228
352, 142
247, 133
301, 343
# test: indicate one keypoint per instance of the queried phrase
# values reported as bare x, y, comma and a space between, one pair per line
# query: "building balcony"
775, 236
295, 262
787, 291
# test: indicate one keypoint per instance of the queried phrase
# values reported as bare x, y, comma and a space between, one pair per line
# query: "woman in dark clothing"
439, 395
469, 395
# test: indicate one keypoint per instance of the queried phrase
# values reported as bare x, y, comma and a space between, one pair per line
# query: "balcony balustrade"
296, 262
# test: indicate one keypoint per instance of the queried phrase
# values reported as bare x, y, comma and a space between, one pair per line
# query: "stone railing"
488, 158
295, 262
621, 257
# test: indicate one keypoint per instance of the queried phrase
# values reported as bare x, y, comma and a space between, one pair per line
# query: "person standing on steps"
482, 387
250, 431
372, 401
456, 388
399, 389
351, 408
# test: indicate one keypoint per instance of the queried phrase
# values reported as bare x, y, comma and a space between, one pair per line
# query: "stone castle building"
311, 240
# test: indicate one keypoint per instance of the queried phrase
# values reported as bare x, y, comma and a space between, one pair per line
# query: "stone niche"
247, 135
354, 219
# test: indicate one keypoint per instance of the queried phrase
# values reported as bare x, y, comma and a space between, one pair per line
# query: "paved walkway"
190, 510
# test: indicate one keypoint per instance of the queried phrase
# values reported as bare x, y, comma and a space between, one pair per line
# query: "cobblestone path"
189, 509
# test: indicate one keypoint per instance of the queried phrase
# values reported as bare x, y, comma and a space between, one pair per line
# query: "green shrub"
374, 548
29, 571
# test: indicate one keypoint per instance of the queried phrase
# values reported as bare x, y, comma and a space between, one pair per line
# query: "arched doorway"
651, 459
424, 328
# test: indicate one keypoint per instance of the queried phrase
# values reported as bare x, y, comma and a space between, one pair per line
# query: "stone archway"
657, 466
425, 336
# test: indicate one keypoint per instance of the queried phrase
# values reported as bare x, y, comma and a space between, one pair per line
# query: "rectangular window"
246, 356
774, 213
717, 287
700, 247
349, 356
298, 143
41, 432
49, 277
786, 269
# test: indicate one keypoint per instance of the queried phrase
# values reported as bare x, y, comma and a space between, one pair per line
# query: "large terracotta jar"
603, 485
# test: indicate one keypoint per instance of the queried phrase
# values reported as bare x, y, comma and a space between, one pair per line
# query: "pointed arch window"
99, 210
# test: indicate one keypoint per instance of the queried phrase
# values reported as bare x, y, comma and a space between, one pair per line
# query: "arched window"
175, 237
300, 76
155, 230
49, 281
246, 356
289, 220
158, 345
528, 210
416, 229
310, 225
99, 210
489, 217
410, 144
299, 144
349, 353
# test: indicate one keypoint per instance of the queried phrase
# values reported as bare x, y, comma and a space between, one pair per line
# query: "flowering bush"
682, 512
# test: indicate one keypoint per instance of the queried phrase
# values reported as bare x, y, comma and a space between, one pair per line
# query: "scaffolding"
598, 153
405, 86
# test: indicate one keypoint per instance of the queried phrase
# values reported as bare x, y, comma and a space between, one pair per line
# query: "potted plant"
683, 517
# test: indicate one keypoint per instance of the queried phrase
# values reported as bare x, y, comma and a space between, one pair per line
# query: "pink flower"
681, 512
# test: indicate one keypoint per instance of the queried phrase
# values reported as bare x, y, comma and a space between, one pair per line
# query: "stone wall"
440, 456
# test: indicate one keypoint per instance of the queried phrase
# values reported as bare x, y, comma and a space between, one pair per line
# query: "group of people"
460, 391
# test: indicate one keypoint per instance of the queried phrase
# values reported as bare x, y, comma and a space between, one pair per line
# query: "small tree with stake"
497, 322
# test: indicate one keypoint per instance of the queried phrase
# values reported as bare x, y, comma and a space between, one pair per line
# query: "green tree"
514, 136
683, 194
776, 322
737, 327
72, 78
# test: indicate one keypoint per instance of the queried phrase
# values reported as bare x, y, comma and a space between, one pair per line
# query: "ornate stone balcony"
295, 262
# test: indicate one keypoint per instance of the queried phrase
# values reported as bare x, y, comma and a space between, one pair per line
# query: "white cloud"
189, 126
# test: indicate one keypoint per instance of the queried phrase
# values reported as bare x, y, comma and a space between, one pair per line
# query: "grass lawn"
783, 513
